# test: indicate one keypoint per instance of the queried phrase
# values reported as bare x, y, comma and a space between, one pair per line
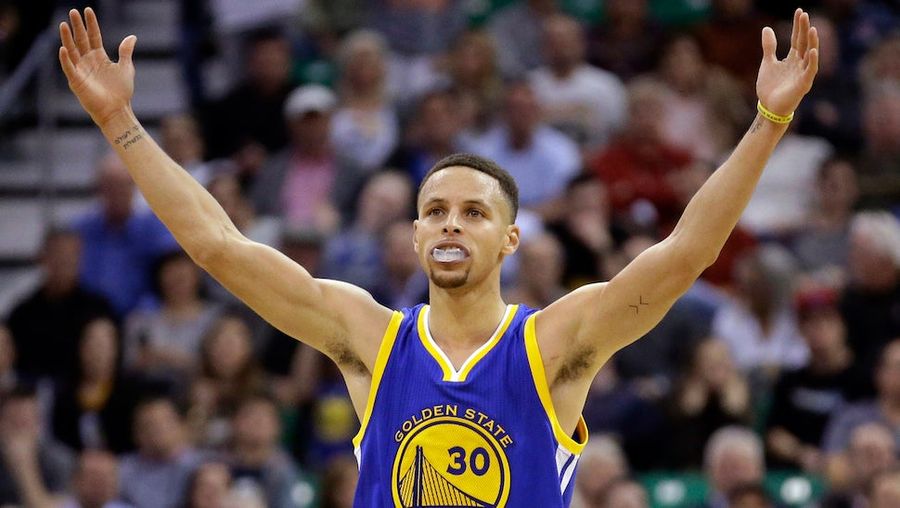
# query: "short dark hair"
486, 166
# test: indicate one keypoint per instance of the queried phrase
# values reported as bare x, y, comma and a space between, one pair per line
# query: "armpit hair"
345, 357
577, 364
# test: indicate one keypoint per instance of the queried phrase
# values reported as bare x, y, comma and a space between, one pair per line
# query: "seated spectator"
628, 39
93, 409
182, 140
732, 457
627, 494
403, 283
9, 378
228, 374
309, 183
751, 495
585, 102
540, 272
52, 317
885, 491
95, 483
884, 409
34, 469
759, 324
519, 27
873, 290
418, 28
804, 399
246, 124
119, 243
879, 162
871, 451
540, 158
474, 77
209, 486
639, 166
339, 482
821, 246
601, 465
156, 476
165, 343
355, 254
704, 111
709, 396
364, 128
255, 456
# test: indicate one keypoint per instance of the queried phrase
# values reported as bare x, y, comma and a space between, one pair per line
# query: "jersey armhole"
536, 363
384, 352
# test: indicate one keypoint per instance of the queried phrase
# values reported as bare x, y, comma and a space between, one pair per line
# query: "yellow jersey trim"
540, 382
450, 374
384, 352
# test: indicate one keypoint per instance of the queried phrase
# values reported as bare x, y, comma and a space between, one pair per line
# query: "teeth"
449, 255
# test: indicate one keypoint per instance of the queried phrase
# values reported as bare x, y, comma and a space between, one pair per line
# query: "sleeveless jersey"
486, 435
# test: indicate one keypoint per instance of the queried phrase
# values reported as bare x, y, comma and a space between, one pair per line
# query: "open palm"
781, 84
103, 87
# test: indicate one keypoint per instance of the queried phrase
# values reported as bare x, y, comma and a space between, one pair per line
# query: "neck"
563, 70
252, 455
831, 361
55, 287
462, 319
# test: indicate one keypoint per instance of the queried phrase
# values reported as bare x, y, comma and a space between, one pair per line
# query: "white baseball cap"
309, 98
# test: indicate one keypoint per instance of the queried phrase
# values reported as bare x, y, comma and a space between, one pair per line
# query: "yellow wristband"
768, 115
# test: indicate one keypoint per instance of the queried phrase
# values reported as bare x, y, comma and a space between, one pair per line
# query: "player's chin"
449, 279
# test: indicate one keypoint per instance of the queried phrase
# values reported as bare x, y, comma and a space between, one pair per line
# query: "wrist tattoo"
637, 306
128, 138
757, 124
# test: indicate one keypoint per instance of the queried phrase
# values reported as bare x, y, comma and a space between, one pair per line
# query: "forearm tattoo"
757, 124
130, 137
636, 307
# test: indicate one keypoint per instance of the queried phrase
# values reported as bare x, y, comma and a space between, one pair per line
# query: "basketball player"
467, 401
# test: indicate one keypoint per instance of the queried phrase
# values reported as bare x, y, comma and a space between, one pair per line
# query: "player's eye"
434, 212
474, 212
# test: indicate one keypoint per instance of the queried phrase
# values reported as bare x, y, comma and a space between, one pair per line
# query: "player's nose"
453, 223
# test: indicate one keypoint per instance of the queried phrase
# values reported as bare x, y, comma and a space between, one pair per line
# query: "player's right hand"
103, 88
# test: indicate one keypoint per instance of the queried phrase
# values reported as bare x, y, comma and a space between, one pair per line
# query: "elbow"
694, 259
210, 251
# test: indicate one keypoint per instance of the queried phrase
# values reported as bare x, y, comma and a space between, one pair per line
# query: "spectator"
246, 124
759, 324
879, 162
519, 26
884, 409
339, 482
705, 110
831, 109
804, 399
8, 375
873, 291
861, 26
731, 40
52, 317
120, 244
432, 135
710, 395
879, 65
418, 28
540, 272
871, 451
95, 483
165, 343
209, 486
751, 495
627, 41
639, 166
34, 469
601, 465
474, 75
182, 140
93, 408
309, 183
540, 158
355, 254
364, 129
157, 475
228, 373
582, 101
821, 246
733, 457
626, 494
255, 455
885, 491
403, 283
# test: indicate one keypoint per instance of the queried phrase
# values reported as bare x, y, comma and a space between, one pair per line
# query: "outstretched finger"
769, 44
93, 29
803, 36
812, 67
795, 28
813, 39
67, 66
126, 49
65, 35
81, 38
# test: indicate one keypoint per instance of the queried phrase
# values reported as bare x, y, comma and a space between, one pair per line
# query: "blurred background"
130, 378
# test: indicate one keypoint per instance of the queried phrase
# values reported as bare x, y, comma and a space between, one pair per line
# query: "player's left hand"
781, 84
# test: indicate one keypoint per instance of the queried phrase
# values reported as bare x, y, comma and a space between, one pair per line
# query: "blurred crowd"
131, 378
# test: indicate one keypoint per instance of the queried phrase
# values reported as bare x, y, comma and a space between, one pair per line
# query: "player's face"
463, 231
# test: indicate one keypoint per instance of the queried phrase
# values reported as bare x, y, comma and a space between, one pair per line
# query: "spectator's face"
21, 415
889, 373
256, 425
596, 473
868, 264
7, 350
683, 65
99, 350
542, 260
211, 486
158, 429
439, 120
829, 45
311, 131
365, 68
824, 331
522, 110
269, 64
97, 480
179, 280
227, 192
181, 139
872, 450
733, 467
731, 9
115, 188
399, 256
713, 363
468, 208
626, 11
563, 42
837, 188
61, 258
473, 60
886, 491
644, 123
627, 495
229, 349
385, 199
881, 122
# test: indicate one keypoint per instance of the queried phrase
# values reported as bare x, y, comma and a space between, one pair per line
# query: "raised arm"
333, 317
600, 319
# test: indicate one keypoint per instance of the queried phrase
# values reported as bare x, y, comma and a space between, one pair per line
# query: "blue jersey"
484, 435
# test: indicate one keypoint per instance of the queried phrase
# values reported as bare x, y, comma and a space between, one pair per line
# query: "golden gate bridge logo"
423, 485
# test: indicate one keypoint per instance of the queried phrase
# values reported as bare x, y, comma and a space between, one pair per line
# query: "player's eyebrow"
442, 201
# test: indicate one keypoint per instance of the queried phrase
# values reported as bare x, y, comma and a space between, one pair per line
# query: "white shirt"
751, 348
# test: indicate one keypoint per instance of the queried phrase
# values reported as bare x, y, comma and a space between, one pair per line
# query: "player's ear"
415, 235
512, 240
